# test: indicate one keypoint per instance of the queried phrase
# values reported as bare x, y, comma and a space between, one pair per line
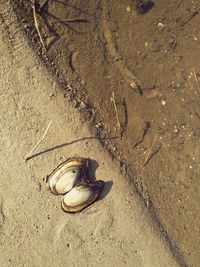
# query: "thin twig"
29, 154
116, 112
75, 20
36, 25
179, 4
195, 76
150, 150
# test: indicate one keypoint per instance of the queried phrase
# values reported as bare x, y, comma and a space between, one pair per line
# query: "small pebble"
133, 85
82, 105
128, 9
161, 26
163, 102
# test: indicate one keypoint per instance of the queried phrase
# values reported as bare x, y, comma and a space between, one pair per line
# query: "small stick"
74, 20
195, 76
179, 4
28, 156
116, 112
150, 150
36, 24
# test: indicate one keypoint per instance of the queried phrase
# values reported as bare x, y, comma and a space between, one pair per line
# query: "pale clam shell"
81, 196
66, 175
77, 196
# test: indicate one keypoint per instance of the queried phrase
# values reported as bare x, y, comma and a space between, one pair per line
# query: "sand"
106, 49
34, 231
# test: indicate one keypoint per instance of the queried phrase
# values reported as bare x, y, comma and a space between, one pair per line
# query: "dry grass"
39, 142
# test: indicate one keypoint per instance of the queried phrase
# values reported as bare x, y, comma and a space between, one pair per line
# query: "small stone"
82, 105
161, 26
98, 125
133, 85
163, 102
128, 9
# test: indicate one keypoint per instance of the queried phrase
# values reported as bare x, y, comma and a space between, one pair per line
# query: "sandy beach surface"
34, 231
143, 56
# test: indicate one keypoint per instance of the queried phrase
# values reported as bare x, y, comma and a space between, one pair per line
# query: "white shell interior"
77, 196
66, 180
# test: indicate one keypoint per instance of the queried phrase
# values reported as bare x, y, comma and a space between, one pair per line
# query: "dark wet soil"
135, 69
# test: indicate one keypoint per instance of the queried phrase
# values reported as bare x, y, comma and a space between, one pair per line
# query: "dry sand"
34, 231
98, 46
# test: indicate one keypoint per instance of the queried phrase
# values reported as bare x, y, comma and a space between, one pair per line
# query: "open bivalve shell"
81, 196
67, 175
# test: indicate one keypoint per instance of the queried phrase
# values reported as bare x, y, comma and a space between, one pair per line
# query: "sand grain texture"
34, 231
